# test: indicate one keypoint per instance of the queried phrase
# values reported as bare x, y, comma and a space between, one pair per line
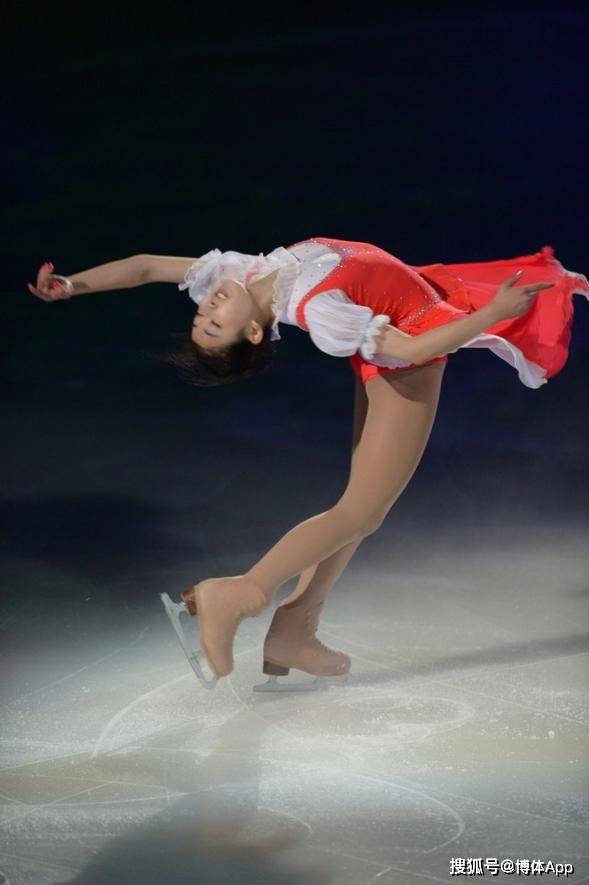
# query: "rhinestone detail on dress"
332, 249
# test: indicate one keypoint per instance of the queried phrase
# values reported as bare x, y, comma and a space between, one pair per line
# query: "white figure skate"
196, 658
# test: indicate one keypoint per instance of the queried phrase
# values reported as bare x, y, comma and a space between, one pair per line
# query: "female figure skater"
396, 323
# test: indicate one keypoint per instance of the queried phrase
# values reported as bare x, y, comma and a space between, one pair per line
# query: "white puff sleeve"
194, 279
340, 327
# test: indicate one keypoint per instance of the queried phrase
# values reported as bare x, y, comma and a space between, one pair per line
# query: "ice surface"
461, 732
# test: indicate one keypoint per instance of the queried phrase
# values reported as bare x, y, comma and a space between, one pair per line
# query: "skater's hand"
390, 341
51, 286
514, 301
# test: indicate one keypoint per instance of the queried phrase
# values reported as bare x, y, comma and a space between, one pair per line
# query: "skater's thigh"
360, 411
401, 409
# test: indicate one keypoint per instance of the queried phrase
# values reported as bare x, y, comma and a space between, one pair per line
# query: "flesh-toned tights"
393, 418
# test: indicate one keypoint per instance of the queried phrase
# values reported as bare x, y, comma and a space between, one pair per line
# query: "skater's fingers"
514, 278
42, 274
534, 287
42, 286
50, 286
37, 292
45, 294
43, 290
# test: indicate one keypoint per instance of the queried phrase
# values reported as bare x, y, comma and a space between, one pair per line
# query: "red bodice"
421, 297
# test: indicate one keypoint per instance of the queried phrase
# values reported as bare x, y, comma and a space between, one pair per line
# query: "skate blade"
273, 683
196, 658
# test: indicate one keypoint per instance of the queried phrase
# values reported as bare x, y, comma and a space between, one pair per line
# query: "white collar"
210, 269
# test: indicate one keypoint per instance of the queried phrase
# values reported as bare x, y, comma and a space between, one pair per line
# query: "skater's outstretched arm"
122, 274
510, 301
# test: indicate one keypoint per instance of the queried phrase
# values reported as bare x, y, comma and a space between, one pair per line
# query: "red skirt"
535, 344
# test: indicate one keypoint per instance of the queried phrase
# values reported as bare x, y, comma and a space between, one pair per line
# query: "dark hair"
208, 368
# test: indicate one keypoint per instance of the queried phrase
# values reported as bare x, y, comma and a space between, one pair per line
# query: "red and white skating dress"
341, 292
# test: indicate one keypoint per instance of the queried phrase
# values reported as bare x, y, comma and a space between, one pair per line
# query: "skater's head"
229, 337
229, 314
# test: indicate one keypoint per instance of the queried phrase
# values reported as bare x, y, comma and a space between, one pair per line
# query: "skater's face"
224, 316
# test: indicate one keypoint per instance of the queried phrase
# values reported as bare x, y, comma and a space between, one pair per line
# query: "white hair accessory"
209, 271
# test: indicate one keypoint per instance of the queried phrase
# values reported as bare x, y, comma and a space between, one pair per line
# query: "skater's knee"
374, 521
356, 522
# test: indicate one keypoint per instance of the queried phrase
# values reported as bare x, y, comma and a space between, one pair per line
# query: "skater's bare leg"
401, 412
316, 581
